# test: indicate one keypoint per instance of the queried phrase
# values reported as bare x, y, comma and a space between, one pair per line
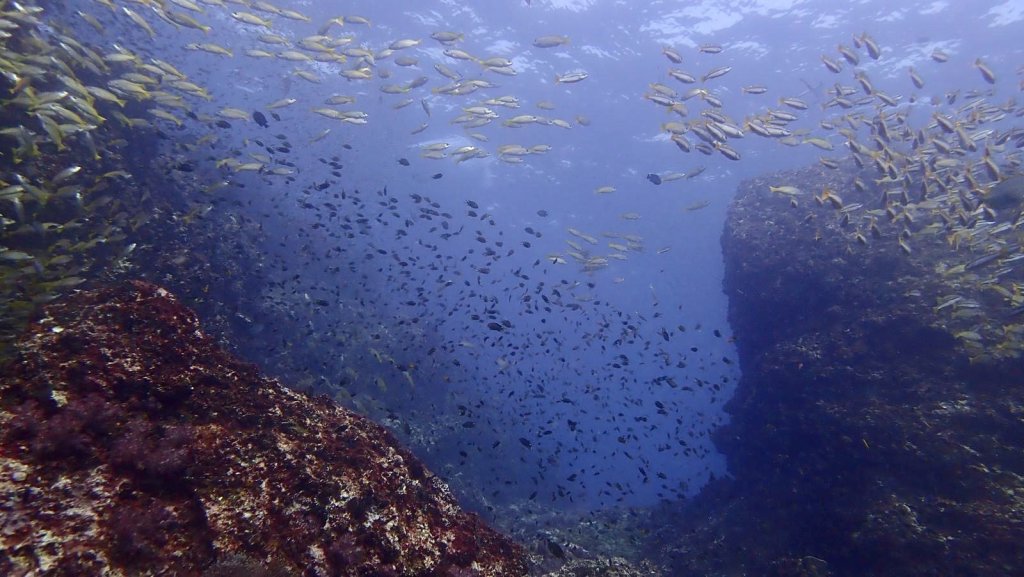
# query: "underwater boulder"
875, 429
131, 444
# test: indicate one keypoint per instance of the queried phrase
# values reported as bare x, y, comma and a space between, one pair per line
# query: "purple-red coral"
132, 444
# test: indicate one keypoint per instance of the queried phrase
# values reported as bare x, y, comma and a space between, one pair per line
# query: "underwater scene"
511, 287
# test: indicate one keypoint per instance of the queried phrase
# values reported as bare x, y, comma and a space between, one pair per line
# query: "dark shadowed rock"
130, 444
867, 435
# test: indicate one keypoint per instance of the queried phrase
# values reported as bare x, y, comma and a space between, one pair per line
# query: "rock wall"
868, 436
130, 444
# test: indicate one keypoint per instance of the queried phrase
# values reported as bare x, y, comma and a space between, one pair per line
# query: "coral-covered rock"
870, 435
130, 444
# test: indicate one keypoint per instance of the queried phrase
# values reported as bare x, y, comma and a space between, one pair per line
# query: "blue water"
537, 412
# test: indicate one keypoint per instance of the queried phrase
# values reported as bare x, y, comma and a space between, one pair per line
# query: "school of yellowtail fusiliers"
955, 177
69, 209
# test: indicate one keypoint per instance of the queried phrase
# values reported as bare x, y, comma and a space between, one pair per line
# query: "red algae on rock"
131, 444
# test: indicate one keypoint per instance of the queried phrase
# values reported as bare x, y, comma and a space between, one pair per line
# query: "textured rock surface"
130, 444
866, 439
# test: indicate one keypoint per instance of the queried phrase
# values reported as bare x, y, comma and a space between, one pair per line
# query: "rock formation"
130, 444
873, 432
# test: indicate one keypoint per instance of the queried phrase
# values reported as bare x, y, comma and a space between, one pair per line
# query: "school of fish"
81, 110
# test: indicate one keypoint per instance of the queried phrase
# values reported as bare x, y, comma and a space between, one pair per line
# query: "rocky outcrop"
130, 444
870, 434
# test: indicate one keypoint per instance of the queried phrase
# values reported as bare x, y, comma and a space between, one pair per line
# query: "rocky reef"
130, 444
873, 432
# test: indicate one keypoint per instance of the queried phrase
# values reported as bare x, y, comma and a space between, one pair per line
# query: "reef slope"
131, 444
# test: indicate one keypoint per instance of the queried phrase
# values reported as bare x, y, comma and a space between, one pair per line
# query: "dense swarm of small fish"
350, 303
113, 125
947, 168
67, 203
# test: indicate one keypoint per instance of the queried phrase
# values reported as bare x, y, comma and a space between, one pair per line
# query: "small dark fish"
556, 550
542, 213
496, 326
472, 204
403, 161
260, 119
347, 146
525, 442
437, 176
654, 178
275, 116
1007, 194
223, 124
